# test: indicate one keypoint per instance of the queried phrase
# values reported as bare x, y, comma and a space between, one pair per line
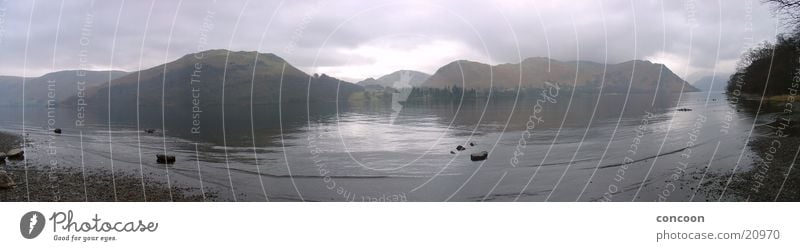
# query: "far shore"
771, 98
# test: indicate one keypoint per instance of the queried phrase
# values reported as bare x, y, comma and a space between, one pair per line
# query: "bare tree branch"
787, 10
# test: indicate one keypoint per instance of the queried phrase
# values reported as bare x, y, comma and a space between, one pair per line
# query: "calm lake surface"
584, 148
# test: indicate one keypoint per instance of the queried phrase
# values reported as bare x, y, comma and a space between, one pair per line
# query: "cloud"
388, 54
356, 39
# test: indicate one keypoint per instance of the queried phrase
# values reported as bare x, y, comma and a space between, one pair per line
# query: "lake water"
580, 148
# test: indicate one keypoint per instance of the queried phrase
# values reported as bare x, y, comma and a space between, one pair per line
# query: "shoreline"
37, 184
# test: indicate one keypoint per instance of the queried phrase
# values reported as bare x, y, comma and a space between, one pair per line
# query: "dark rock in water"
471, 144
479, 156
460, 148
165, 159
151, 131
16, 154
57, 131
2, 157
451, 152
6, 181
684, 109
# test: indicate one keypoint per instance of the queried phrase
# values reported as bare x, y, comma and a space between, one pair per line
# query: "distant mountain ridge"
38, 90
397, 79
712, 83
266, 78
643, 76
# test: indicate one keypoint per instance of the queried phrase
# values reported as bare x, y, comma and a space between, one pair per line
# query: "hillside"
534, 72
198, 80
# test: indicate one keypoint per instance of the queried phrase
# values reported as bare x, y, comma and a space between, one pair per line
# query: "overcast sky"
356, 39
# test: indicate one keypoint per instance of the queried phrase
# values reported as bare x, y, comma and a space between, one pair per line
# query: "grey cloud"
574, 30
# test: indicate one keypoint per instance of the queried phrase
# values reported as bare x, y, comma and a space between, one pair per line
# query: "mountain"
198, 80
397, 80
56, 86
534, 72
712, 83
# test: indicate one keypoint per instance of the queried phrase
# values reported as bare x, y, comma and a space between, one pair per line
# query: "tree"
768, 68
788, 10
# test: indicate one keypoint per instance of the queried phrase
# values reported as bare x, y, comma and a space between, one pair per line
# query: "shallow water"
580, 150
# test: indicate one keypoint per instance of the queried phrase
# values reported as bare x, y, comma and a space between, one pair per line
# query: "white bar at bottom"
405, 226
